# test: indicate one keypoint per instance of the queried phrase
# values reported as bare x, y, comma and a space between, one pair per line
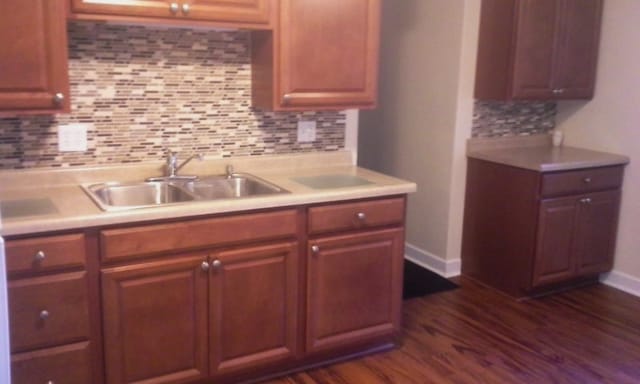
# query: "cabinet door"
33, 57
328, 54
354, 290
575, 69
254, 310
155, 321
535, 48
554, 249
232, 11
596, 232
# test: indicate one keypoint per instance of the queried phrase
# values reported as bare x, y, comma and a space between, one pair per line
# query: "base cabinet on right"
528, 232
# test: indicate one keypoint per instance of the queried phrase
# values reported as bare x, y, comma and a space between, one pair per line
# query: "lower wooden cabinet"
155, 321
354, 288
528, 232
208, 300
576, 236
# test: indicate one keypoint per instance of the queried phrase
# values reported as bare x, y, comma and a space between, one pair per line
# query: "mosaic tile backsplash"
144, 89
498, 119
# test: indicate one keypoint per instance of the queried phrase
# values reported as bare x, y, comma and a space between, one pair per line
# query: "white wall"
611, 122
419, 130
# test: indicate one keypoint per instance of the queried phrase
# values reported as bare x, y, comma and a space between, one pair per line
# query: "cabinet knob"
44, 314
315, 249
204, 266
586, 200
587, 180
39, 256
58, 98
186, 8
50, 382
361, 216
216, 264
558, 91
174, 8
286, 98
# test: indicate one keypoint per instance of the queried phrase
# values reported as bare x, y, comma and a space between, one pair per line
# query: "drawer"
136, 242
68, 364
48, 310
581, 181
42, 254
364, 214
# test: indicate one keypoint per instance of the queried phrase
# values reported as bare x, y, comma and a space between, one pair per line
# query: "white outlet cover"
306, 131
73, 137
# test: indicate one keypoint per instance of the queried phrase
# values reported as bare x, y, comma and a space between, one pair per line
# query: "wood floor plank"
476, 335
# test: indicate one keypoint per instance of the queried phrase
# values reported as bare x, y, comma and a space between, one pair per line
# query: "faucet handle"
229, 170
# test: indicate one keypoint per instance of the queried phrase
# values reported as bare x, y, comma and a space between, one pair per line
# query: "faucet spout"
172, 162
199, 156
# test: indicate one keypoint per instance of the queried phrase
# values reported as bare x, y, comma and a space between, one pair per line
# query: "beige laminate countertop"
71, 208
537, 154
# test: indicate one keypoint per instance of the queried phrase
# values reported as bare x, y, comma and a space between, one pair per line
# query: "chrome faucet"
173, 167
230, 172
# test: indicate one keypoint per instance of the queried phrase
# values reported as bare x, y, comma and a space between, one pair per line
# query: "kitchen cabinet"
354, 240
538, 49
50, 311
528, 232
222, 310
241, 14
33, 57
320, 55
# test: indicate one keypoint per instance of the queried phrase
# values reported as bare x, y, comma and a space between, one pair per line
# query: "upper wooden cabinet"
33, 57
538, 49
321, 55
234, 13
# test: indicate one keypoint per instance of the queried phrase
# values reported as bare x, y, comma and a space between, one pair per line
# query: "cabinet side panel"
494, 49
499, 225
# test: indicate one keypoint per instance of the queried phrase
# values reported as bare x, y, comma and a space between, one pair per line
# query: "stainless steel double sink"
111, 196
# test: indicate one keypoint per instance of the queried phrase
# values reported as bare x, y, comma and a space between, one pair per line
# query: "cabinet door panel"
146, 8
554, 249
329, 53
253, 306
33, 56
354, 288
596, 232
578, 47
248, 11
155, 321
534, 56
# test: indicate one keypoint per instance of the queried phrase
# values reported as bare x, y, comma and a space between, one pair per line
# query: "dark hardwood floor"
476, 335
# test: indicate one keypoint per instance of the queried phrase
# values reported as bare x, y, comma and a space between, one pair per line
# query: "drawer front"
69, 364
136, 242
48, 310
581, 181
365, 214
43, 254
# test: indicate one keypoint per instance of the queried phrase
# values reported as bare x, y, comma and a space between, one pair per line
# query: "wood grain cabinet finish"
527, 232
538, 49
229, 13
321, 55
354, 288
155, 321
46, 254
253, 307
68, 364
33, 57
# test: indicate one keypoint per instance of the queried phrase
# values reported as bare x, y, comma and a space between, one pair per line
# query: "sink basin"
238, 185
132, 195
117, 196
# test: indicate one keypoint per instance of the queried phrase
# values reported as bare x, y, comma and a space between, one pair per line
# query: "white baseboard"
622, 281
446, 268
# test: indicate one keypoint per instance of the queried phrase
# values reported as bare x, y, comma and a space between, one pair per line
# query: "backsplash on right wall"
521, 118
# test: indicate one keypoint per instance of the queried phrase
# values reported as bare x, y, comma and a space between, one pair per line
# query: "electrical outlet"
73, 137
306, 131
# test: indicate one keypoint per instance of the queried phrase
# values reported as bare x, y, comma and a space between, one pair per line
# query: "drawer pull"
361, 216
315, 249
216, 264
586, 200
39, 256
186, 8
174, 8
50, 382
587, 180
44, 314
204, 266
